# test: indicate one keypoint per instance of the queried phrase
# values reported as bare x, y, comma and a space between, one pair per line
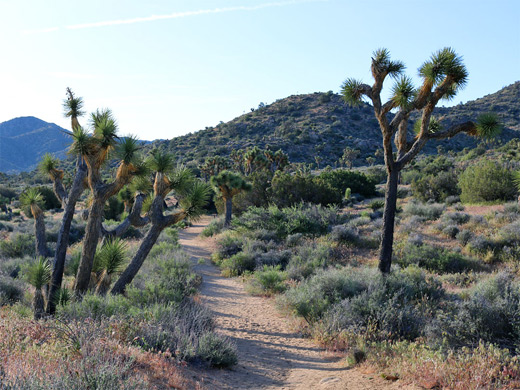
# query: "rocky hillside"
24, 140
305, 126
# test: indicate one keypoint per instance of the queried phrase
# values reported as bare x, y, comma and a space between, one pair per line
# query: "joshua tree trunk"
63, 235
387, 236
38, 304
135, 265
60, 192
41, 240
229, 209
92, 234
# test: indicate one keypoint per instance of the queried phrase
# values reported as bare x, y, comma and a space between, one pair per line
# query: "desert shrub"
301, 218
213, 228
184, 330
7, 192
411, 224
345, 234
273, 258
268, 280
11, 290
480, 244
510, 234
229, 245
465, 236
451, 231
18, 245
95, 307
293, 240
455, 218
428, 211
307, 259
113, 208
288, 190
434, 258
238, 264
490, 314
312, 298
162, 248
170, 280
486, 181
452, 199
217, 350
341, 179
436, 187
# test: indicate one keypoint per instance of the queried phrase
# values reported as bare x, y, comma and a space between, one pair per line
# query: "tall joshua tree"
229, 184
73, 108
192, 195
94, 148
443, 75
33, 200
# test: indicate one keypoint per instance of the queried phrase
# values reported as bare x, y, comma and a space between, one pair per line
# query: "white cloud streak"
175, 15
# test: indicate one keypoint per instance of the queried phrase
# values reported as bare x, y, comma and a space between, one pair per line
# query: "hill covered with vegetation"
321, 124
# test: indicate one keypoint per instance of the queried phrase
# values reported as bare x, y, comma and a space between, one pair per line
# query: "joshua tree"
94, 149
192, 195
49, 166
33, 200
442, 77
229, 184
349, 155
39, 275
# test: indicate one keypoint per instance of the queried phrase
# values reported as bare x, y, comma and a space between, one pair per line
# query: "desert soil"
271, 354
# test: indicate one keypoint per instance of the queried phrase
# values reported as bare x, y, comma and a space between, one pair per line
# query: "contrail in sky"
175, 15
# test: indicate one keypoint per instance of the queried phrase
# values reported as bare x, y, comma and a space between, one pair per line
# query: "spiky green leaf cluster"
127, 150
73, 106
195, 199
62, 296
82, 142
161, 162
445, 65
488, 125
105, 128
434, 126
230, 180
38, 274
403, 92
111, 257
48, 164
382, 64
141, 184
352, 92
31, 197
181, 180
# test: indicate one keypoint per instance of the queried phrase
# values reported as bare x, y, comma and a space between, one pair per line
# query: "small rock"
330, 379
430, 384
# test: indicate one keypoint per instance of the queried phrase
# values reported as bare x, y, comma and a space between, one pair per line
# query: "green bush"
238, 264
341, 179
307, 259
434, 258
486, 181
428, 211
436, 187
269, 280
18, 245
217, 350
490, 314
11, 290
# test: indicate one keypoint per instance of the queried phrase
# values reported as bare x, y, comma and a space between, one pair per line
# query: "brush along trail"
271, 355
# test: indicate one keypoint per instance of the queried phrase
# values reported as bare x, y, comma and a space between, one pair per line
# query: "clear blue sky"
167, 68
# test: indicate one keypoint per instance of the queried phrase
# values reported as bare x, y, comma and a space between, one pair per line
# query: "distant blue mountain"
23, 141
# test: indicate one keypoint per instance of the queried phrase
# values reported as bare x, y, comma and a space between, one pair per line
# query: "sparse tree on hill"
443, 75
349, 155
229, 184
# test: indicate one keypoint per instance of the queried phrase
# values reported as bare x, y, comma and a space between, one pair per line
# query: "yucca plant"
443, 75
62, 297
48, 166
33, 200
38, 275
110, 260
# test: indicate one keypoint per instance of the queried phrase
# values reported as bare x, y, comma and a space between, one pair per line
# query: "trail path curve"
271, 355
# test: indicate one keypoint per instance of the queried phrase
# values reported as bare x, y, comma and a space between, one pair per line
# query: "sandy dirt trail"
271, 355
